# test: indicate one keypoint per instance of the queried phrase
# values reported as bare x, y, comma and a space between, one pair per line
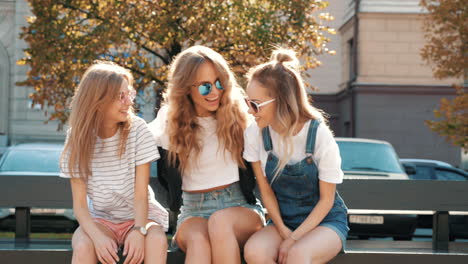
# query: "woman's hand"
284, 250
134, 248
284, 232
106, 248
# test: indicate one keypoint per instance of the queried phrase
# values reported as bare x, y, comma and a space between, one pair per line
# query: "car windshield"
372, 157
31, 160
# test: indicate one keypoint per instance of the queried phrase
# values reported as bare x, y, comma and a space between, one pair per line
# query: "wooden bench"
25, 192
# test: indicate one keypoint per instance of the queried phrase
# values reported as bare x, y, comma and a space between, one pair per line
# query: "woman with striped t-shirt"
107, 156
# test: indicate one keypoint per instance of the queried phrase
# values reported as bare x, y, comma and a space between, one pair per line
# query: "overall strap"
267, 143
311, 135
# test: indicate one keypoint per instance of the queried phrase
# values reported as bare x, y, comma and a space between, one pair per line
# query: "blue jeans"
205, 204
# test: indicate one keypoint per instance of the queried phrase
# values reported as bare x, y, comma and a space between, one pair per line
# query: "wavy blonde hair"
183, 127
282, 78
98, 88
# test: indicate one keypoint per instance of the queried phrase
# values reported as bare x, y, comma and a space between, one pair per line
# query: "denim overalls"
297, 188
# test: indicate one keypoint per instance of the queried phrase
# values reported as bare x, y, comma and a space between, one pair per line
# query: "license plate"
47, 211
366, 219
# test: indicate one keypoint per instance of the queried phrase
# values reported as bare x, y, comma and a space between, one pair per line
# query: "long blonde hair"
99, 87
183, 128
281, 77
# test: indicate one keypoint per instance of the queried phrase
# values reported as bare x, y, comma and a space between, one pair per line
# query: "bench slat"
35, 191
405, 194
392, 258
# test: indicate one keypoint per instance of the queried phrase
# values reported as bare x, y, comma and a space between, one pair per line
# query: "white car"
35, 159
374, 159
369, 159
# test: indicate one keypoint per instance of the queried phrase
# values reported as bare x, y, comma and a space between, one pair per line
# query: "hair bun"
288, 56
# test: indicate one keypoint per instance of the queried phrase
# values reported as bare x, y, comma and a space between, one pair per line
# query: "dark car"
35, 159
374, 159
423, 169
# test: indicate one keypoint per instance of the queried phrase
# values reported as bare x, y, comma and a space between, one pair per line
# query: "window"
442, 174
347, 128
352, 60
32, 160
369, 157
423, 173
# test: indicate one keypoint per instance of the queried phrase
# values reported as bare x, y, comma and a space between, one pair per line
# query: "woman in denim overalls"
292, 146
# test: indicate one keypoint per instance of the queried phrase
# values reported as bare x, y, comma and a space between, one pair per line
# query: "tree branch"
96, 16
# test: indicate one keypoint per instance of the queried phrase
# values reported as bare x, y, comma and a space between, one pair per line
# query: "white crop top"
214, 167
326, 152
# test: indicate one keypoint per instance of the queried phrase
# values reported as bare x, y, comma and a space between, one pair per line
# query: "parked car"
423, 169
374, 159
35, 159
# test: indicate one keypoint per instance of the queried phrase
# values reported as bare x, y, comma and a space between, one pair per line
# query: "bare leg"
229, 229
155, 245
318, 246
262, 247
83, 246
192, 237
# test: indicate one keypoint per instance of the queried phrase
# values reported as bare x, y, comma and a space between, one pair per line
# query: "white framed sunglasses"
127, 95
256, 106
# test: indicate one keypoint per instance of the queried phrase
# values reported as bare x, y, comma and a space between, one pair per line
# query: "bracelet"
292, 237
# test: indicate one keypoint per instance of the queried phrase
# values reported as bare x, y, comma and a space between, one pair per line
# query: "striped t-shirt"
111, 187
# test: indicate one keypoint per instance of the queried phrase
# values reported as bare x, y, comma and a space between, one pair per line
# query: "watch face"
143, 231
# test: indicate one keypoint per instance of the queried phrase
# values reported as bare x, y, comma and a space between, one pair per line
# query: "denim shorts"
205, 204
340, 229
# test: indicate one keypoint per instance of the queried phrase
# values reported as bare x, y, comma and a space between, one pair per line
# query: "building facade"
386, 91
19, 122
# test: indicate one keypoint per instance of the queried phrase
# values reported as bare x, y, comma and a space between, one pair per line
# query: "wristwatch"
140, 229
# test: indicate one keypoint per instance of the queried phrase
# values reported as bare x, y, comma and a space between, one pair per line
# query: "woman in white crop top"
201, 126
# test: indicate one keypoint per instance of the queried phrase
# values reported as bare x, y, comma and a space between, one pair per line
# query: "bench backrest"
54, 192
24, 192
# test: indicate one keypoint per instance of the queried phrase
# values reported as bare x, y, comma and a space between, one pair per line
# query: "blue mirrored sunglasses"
205, 88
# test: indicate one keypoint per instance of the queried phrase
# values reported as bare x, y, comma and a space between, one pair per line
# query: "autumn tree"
65, 36
446, 50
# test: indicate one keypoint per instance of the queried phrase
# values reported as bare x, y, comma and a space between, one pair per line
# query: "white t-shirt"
326, 153
213, 167
111, 187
